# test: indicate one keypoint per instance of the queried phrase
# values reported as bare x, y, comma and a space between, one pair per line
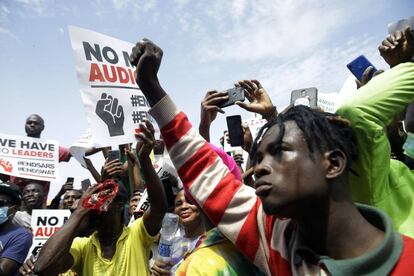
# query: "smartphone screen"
359, 65
235, 130
305, 96
114, 154
70, 180
235, 94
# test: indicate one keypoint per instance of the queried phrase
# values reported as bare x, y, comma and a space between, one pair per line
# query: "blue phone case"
359, 65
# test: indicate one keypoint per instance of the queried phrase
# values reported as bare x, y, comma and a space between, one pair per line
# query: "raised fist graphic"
108, 109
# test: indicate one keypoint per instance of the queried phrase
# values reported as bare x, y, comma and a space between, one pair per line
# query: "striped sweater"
272, 244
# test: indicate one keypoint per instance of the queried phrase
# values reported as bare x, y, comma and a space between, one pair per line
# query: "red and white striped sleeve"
229, 204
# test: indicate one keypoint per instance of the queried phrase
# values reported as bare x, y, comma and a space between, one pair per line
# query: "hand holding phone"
359, 65
235, 130
113, 155
235, 94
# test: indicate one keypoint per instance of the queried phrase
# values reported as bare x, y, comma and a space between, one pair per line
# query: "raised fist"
108, 109
146, 56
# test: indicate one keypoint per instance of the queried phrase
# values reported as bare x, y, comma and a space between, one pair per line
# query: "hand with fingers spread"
209, 111
146, 140
398, 47
367, 76
259, 100
111, 169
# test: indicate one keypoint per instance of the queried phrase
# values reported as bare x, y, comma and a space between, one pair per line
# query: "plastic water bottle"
168, 229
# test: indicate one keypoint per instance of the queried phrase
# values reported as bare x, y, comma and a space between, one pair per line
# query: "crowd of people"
320, 194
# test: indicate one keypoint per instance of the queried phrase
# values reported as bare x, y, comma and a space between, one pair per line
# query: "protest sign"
78, 148
328, 102
142, 206
45, 222
255, 124
113, 102
28, 157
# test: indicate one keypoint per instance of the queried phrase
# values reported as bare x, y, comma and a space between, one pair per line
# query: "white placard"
114, 104
45, 222
78, 148
28, 157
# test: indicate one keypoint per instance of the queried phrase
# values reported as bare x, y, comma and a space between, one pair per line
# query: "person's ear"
335, 162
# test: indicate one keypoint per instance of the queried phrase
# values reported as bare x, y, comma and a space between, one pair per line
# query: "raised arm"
54, 257
156, 195
146, 56
209, 111
370, 111
229, 204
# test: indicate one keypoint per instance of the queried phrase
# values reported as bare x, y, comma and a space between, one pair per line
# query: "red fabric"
216, 208
247, 240
101, 200
174, 130
404, 265
203, 158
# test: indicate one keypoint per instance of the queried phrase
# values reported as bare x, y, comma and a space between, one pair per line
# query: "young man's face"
70, 197
34, 126
33, 196
288, 181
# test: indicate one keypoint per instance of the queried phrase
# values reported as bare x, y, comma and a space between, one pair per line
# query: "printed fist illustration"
108, 109
7, 166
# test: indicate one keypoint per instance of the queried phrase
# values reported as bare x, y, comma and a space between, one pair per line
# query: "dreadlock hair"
323, 131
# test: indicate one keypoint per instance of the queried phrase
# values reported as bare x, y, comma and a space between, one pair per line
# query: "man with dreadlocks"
299, 219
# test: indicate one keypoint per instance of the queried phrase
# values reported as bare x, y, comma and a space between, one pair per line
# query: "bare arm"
8, 266
156, 195
54, 257
91, 168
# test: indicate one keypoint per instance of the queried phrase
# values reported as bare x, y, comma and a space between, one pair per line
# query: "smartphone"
70, 180
114, 154
235, 130
359, 65
85, 184
305, 96
235, 94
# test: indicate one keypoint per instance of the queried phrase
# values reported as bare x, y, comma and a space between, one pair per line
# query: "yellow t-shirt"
131, 256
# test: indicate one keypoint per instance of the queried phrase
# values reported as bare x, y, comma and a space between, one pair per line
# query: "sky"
207, 45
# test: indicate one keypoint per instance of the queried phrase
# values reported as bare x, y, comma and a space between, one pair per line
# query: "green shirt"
382, 182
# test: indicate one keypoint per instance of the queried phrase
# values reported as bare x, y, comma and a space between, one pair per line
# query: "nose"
184, 206
262, 169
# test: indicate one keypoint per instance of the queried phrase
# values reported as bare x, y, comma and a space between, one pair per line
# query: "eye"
275, 150
257, 158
